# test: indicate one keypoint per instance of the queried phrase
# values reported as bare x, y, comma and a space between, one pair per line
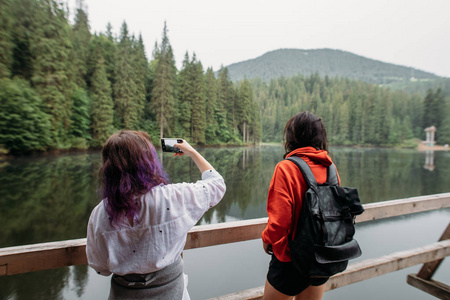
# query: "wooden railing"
423, 280
31, 258
367, 269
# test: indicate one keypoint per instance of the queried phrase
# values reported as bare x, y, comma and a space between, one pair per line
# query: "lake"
49, 198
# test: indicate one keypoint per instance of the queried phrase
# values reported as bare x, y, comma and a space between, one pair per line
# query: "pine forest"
64, 87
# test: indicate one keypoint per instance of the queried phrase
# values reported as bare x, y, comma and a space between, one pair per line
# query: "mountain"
289, 62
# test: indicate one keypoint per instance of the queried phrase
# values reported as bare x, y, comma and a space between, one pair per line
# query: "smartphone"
167, 145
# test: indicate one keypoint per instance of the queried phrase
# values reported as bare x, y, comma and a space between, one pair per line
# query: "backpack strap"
332, 178
305, 169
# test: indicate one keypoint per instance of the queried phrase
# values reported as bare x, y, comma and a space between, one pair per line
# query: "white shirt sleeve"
95, 256
196, 198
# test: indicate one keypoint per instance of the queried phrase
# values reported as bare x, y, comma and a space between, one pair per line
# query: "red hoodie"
284, 201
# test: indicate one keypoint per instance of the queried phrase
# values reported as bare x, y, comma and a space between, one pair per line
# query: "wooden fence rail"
31, 258
367, 269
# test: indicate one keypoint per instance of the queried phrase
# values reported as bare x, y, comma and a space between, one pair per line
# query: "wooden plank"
389, 263
368, 269
37, 257
432, 287
393, 208
45, 256
427, 271
224, 233
231, 232
250, 294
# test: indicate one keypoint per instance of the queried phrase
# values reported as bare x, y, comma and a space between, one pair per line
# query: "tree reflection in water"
50, 198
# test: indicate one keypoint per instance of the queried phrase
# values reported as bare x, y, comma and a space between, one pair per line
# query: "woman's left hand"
268, 248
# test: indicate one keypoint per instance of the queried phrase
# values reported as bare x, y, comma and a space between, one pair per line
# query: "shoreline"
56, 152
423, 147
4, 154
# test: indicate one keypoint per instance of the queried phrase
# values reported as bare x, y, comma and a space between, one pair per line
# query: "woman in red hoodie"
305, 136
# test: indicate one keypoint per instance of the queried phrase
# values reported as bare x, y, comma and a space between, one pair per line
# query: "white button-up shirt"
167, 213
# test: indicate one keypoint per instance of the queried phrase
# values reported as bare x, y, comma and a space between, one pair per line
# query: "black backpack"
324, 242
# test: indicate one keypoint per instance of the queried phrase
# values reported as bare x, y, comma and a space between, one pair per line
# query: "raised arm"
202, 164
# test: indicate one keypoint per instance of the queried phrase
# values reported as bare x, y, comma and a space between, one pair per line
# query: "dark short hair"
303, 130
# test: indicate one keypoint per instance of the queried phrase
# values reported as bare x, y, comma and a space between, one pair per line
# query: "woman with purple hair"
139, 229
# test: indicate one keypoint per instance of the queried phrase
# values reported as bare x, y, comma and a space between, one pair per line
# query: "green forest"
64, 87
354, 112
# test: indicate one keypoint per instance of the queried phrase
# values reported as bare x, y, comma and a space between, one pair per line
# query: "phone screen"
168, 145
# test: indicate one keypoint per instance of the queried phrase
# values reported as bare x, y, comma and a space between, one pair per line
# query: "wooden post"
428, 269
432, 287
423, 280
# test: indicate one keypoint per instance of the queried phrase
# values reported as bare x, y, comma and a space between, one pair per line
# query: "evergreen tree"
80, 119
198, 120
356, 114
51, 48
244, 108
81, 37
224, 98
405, 129
416, 106
129, 103
255, 123
233, 98
109, 54
444, 130
383, 113
434, 107
24, 13
6, 44
369, 132
163, 93
344, 120
102, 47
141, 74
211, 106
149, 114
23, 124
315, 95
394, 131
102, 107
184, 104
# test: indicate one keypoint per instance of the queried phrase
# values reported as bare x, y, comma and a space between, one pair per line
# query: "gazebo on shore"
430, 136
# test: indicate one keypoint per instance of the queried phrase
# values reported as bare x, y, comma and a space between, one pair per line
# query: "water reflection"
50, 198
46, 199
429, 160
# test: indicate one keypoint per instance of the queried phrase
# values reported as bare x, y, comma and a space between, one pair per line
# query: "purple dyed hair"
130, 169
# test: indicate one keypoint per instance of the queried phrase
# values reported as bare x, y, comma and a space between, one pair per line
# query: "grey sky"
413, 33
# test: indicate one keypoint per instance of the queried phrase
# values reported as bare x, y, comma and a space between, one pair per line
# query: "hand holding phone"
167, 145
181, 147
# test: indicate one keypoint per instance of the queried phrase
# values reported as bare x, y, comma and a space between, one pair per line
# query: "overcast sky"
413, 33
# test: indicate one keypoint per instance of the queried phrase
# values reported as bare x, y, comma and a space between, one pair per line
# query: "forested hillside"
63, 87
334, 63
421, 87
354, 112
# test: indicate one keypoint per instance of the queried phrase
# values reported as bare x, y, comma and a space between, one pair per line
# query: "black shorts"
287, 280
